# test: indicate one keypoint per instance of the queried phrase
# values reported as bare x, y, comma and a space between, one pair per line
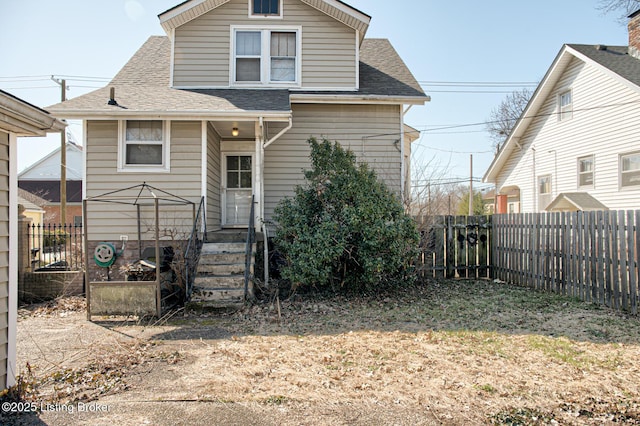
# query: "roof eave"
535, 103
109, 114
171, 19
25, 119
359, 99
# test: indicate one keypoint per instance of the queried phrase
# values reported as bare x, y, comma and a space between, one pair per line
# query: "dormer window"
266, 57
265, 8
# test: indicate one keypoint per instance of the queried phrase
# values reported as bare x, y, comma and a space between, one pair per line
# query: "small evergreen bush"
343, 229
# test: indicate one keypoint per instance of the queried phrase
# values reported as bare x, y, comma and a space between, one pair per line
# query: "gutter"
282, 132
110, 114
355, 99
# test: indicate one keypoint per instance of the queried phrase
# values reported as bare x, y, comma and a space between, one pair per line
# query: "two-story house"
222, 106
576, 145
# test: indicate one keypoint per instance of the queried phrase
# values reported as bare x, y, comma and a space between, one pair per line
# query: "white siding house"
577, 144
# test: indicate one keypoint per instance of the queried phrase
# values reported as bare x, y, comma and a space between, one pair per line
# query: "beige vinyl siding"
214, 219
348, 124
4, 254
106, 222
202, 46
604, 124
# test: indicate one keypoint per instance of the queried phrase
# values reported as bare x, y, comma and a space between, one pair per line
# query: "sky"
467, 55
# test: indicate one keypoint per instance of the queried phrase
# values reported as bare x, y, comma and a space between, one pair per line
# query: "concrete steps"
219, 281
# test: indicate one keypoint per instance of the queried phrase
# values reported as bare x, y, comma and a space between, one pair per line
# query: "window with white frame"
630, 169
544, 191
585, 172
565, 105
266, 57
265, 8
144, 146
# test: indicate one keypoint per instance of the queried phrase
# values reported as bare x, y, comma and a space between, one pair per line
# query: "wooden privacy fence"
455, 246
589, 255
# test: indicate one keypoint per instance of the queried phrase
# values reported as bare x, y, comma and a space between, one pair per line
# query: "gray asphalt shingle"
142, 85
615, 58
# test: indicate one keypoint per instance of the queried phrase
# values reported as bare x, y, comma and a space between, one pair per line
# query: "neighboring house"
577, 145
42, 179
222, 107
510, 202
17, 118
33, 206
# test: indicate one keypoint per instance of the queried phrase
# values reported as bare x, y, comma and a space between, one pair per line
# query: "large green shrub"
343, 229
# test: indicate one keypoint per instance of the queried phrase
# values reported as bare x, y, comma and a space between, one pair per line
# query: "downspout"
264, 226
280, 133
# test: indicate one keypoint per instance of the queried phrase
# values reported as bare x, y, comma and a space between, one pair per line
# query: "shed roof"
575, 201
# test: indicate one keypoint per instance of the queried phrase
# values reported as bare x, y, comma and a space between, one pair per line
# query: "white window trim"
620, 186
593, 172
540, 177
569, 113
252, 15
140, 168
265, 58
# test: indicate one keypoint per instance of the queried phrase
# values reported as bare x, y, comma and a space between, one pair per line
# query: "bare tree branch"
504, 117
623, 7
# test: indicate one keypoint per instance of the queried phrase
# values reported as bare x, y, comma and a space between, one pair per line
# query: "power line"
471, 91
480, 83
458, 152
550, 114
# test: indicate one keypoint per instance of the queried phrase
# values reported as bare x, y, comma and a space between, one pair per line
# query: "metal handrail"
249, 247
193, 249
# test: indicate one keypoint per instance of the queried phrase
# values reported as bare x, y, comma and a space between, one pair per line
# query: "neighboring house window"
144, 146
77, 221
630, 170
266, 57
544, 191
585, 172
565, 104
265, 7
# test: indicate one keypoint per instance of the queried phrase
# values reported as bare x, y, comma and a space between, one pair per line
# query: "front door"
237, 189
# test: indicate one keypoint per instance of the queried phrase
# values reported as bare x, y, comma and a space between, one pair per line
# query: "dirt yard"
460, 352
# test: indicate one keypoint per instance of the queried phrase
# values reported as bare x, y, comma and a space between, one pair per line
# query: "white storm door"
237, 189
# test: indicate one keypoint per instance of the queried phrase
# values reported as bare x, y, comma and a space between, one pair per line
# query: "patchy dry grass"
454, 352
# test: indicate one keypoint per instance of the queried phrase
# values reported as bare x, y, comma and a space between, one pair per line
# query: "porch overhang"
109, 114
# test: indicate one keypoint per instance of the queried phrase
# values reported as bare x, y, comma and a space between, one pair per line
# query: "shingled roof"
614, 58
142, 88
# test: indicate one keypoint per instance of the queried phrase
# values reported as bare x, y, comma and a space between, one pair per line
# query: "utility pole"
470, 184
63, 158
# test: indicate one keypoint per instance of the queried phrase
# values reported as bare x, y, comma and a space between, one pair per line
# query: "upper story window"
565, 105
144, 146
586, 170
630, 170
266, 57
265, 8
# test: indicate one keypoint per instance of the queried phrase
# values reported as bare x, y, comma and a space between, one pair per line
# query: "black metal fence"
55, 247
